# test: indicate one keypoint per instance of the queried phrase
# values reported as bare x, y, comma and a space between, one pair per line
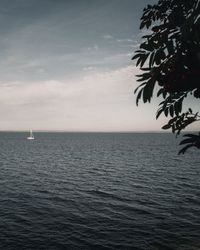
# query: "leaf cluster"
179, 122
169, 57
172, 105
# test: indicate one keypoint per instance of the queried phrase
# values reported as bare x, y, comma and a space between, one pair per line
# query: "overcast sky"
66, 65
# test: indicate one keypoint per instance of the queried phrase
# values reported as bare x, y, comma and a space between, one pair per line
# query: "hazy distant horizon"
81, 131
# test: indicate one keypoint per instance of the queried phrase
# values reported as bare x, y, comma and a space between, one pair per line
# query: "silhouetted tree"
169, 56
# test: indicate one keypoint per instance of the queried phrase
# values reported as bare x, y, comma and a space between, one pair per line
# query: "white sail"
30, 137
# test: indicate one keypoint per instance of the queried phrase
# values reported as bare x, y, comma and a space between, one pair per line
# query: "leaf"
146, 94
172, 121
166, 111
142, 25
139, 96
190, 135
183, 150
160, 91
146, 36
159, 113
151, 59
146, 46
171, 111
144, 59
138, 61
148, 91
139, 87
146, 69
136, 56
167, 126
144, 76
178, 107
164, 94
185, 141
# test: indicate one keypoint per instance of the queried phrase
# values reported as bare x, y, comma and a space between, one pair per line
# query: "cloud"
62, 67
89, 68
34, 93
96, 101
15, 93
125, 40
107, 36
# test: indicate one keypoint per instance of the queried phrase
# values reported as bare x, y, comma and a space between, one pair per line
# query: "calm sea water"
98, 191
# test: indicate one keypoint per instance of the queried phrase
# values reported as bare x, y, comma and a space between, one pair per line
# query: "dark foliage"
169, 58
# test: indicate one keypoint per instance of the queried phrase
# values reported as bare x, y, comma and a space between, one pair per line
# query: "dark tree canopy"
169, 58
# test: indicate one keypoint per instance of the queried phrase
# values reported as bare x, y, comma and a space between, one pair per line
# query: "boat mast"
31, 133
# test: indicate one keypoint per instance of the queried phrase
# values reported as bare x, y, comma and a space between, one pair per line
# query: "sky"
66, 65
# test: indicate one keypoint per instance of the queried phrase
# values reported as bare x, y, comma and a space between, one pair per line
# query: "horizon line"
91, 131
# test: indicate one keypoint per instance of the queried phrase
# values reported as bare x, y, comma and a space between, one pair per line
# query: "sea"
82, 191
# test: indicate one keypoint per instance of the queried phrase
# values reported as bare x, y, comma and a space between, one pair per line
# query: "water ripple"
98, 191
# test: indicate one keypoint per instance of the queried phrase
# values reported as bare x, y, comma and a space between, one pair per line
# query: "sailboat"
30, 137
